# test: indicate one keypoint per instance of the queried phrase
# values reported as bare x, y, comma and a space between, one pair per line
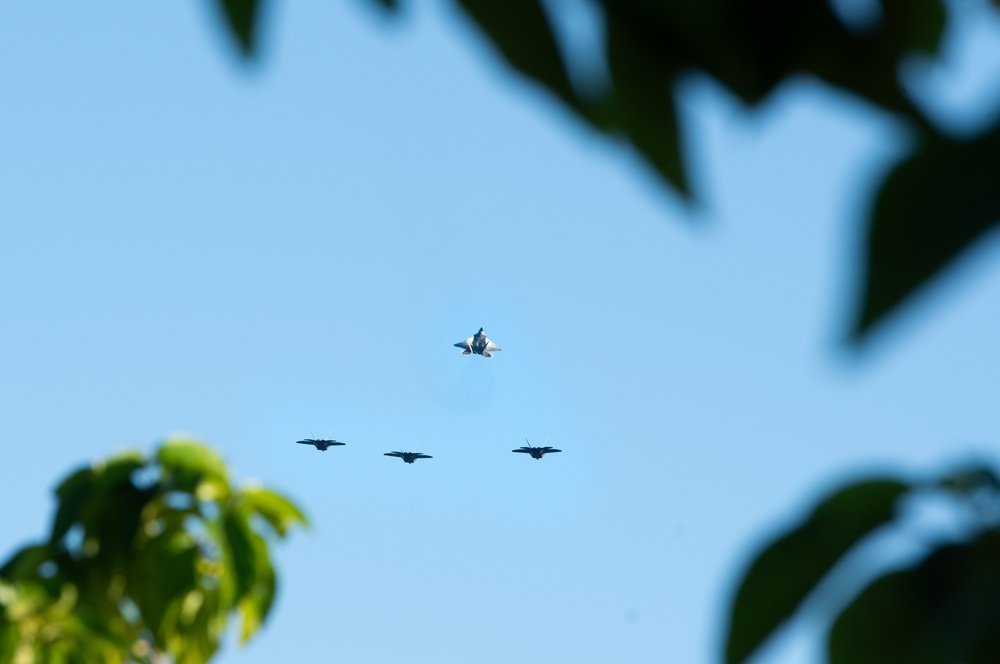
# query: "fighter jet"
320, 445
536, 452
409, 457
478, 344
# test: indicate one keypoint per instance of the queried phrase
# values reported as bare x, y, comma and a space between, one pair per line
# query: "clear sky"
259, 254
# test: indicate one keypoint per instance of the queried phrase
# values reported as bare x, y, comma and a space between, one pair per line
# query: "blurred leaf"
944, 610
167, 555
912, 25
120, 467
190, 462
931, 209
24, 564
161, 574
520, 29
72, 494
256, 604
388, 5
9, 640
887, 616
788, 570
971, 479
241, 19
643, 75
114, 505
768, 41
239, 540
277, 510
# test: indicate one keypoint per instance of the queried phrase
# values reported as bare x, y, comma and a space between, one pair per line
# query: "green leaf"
120, 467
277, 510
161, 574
643, 74
240, 542
24, 564
788, 570
192, 461
113, 513
256, 604
520, 29
72, 494
886, 618
157, 562
946, 609
935, 205
241, 17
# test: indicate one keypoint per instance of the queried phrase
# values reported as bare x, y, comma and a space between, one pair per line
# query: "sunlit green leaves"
788, 570
185, 458
146, 556
44, 628
277, 510
944, 609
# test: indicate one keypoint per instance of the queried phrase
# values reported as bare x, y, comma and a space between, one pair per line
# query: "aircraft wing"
467, 344
490, 348
423, 456
392, 454
307, 441
523, 450
550, 450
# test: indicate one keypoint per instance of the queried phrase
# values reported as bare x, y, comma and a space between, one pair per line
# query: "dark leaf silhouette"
642, 74
241, 17
933, 206
945, 609
788, 570
521, 31
942, 610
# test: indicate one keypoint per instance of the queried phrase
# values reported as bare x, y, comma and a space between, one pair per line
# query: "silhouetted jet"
478, 344
320, 445
535, 452
409, 457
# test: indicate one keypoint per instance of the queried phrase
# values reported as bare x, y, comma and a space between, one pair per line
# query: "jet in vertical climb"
478, 344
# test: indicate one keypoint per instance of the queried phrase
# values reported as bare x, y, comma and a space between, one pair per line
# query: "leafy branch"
147, 557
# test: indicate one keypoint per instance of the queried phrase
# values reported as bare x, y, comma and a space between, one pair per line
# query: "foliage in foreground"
944, 609
939, 201
147, 557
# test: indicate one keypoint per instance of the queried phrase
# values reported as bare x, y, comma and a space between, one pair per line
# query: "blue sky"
255, 255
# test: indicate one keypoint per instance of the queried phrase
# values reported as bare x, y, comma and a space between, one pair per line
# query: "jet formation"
477, 344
